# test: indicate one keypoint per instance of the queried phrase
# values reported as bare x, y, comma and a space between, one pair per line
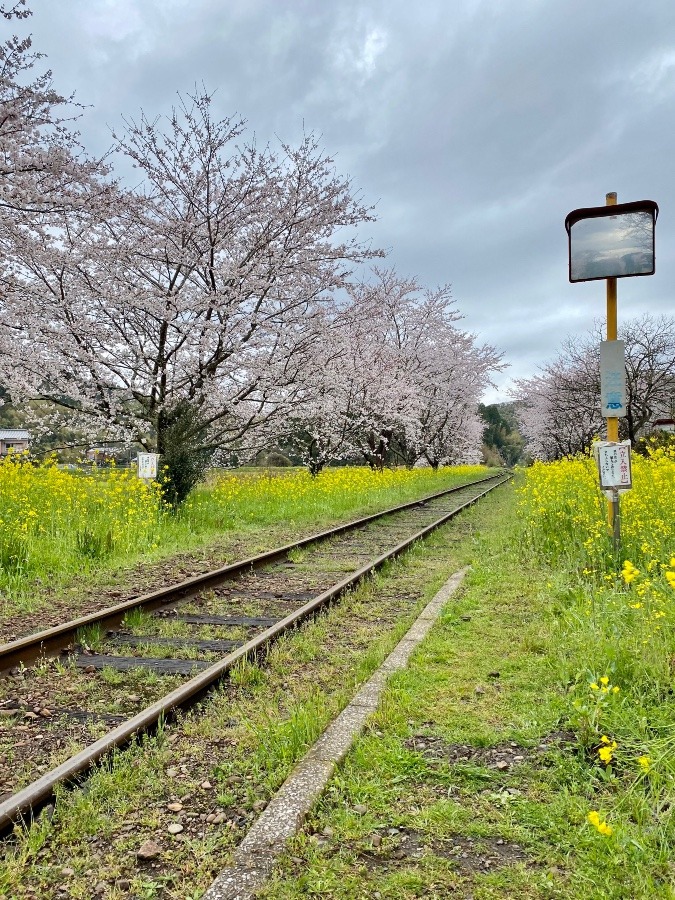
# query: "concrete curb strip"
258, 853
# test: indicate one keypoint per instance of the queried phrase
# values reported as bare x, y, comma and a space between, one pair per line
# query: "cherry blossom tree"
323, 425
438, 373
560, 409
552, 418
395, 380
189, 307
43, 167
361, 386
446, 427
42, 164
201, 309
650, 371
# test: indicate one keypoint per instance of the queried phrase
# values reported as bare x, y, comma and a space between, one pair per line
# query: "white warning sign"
147, 465
614, 467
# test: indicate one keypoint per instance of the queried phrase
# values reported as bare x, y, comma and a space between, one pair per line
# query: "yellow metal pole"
612, 328
613, 422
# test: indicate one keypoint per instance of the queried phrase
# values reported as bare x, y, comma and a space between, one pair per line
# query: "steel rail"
20, 806
51, 641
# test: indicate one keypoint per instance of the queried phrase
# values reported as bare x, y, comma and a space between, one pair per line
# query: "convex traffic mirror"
612, 241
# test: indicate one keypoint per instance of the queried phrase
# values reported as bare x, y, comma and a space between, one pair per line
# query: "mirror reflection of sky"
610, 246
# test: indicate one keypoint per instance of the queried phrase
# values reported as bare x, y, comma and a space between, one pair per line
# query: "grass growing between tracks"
504, 763
211, 773
56, 524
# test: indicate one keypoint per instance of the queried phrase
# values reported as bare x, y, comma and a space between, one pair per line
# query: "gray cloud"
475, 126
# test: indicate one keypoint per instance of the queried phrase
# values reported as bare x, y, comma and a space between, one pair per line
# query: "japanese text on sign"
147, 465
614, 465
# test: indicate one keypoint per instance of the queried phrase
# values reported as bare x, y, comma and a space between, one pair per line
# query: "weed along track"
70, 695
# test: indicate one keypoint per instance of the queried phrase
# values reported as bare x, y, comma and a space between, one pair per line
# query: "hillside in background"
501, 436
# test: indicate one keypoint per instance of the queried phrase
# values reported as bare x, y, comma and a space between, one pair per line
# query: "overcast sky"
474, 127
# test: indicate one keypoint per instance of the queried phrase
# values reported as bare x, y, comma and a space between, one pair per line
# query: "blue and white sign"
613, 379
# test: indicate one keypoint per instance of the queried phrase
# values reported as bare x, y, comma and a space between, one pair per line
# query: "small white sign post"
614, 469
147, 465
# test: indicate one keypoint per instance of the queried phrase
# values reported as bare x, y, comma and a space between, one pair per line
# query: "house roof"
14, 434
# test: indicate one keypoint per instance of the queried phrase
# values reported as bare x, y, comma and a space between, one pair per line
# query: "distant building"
664, 425
102, 456
16, 439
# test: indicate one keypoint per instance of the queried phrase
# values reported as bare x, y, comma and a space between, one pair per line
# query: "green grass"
498, 668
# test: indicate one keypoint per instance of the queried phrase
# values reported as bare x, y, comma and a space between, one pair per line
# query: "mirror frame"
596, 212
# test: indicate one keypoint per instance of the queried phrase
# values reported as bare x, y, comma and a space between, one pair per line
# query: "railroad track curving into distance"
174, 644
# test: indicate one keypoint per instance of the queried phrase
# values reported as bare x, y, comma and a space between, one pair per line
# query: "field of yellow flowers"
616, 626
232, 499
55, 523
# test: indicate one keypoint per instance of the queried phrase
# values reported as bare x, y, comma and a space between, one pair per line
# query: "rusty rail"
28, 649
21, 805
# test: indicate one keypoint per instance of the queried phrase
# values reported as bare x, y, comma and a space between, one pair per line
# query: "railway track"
71, 694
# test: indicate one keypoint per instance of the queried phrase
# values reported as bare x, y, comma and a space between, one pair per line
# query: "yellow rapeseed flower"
606, 752
600, 825
629, 572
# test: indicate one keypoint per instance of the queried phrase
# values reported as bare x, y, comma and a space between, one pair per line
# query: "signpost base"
614, 469
616, 522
